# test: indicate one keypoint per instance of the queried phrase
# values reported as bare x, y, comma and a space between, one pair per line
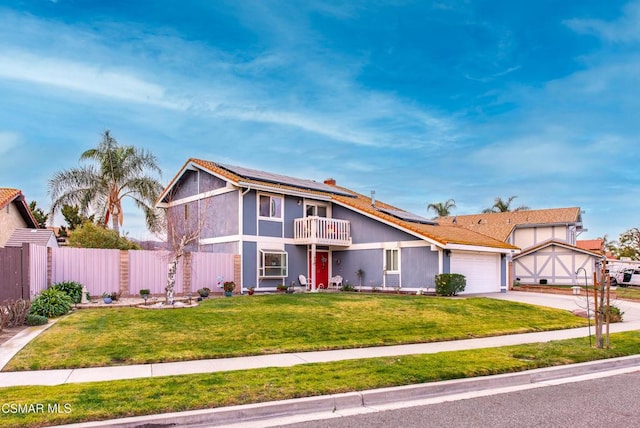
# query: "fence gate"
13, 273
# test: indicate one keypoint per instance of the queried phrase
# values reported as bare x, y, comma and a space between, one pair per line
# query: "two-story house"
284, 227
547, 239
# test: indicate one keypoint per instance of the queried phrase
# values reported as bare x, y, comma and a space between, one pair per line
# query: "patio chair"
335, 282
303, 281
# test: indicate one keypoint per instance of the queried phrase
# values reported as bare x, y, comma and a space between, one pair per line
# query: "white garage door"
481, 270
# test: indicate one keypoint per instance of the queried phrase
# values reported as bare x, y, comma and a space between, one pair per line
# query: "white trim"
220, 240
270, 195
480, 249
282, 191
197, 197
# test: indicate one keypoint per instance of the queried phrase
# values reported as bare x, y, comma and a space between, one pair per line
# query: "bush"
450, 284
615, 314
13, 313
51, 303
71, 289
33, 319
347, 287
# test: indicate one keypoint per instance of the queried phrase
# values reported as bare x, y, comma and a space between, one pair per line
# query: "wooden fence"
26, 271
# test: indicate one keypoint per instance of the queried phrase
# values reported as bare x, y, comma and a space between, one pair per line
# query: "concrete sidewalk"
56, 377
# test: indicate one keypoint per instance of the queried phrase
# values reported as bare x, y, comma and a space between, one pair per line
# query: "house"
41, 237
547, 239
284, 227
14, 213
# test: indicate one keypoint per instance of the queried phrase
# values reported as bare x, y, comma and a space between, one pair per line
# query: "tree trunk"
171, 279
115, 224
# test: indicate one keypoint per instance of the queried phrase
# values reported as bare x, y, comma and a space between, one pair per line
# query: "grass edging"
124, 398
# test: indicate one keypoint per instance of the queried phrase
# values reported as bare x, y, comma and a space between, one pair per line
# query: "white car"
629, 277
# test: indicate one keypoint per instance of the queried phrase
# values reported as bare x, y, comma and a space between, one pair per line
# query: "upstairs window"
270, 207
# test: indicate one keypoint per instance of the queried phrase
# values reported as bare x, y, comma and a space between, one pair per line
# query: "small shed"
41, 237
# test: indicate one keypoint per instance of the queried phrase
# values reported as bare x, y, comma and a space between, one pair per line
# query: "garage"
482, 271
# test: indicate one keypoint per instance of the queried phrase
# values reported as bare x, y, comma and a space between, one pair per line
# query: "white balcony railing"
322, 231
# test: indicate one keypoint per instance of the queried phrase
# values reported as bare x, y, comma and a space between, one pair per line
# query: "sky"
421, 101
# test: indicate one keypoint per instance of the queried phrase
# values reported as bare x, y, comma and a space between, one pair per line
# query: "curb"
375, 397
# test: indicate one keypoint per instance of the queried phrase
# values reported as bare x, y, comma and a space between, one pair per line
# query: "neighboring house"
547, 238
14, 213
41, 237
594, 245
283, 227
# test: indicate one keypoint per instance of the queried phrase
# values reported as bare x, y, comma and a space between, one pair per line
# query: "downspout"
241, 237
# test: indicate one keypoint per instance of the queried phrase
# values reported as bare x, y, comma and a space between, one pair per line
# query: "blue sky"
421, 101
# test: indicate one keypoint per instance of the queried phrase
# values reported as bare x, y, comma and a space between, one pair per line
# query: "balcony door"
316, 210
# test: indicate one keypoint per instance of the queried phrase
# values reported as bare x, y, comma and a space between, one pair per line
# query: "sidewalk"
56, 377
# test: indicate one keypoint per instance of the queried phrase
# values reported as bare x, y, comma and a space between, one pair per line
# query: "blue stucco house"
284, 227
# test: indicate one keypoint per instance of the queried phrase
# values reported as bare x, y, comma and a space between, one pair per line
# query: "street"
610, 401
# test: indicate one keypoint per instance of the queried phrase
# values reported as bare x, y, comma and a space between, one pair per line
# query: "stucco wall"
530, 236
555, 264
10, 219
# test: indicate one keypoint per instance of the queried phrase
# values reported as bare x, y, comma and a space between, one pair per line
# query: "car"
629, 277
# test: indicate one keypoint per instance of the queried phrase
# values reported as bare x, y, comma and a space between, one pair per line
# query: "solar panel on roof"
283, 179
407, 216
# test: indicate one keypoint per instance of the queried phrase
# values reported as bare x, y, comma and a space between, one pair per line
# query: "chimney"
373, 198
330, 181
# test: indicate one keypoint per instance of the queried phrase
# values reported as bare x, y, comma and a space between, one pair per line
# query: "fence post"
26, 280
49, 265
186, 273
237, 272
124, 273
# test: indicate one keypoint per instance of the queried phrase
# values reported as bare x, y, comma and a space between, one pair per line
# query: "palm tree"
118, 172
502, 206
442, 209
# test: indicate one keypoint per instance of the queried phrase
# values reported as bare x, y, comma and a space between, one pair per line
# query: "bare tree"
182, 232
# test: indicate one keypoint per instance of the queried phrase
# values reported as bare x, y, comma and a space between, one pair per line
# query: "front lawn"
122, 398
275, 324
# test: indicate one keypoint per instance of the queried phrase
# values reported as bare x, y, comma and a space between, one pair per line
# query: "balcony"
322, 231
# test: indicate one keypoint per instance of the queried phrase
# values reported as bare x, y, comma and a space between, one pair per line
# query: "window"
270, 207
391, 259
313, 210
274, 264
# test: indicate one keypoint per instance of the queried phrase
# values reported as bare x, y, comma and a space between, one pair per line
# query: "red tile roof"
500, 225
596, 245
441, 234
8, 195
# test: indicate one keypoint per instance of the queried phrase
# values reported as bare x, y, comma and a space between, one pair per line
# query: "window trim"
261, 264
386, 261
271, 198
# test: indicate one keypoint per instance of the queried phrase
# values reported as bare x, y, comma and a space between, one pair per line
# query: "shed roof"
40, 237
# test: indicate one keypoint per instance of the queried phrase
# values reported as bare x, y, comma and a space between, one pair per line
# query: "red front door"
322, 269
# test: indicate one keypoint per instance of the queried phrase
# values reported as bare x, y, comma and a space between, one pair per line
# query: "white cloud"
624, 29
76, 76
9, 140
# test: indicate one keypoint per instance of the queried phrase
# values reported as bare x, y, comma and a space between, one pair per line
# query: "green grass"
117, 399
631, 293
275, 324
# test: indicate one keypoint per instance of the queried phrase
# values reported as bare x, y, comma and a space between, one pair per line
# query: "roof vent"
330, 182
373, 198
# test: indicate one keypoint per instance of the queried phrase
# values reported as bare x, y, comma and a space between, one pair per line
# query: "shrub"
71, 289
347, 287
615, 314
450, 284
13, 313
51, 303
33, 319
